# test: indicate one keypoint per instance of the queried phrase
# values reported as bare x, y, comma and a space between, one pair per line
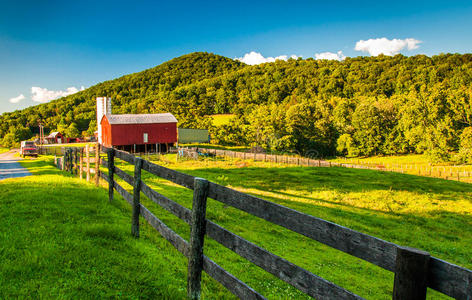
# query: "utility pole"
41, 134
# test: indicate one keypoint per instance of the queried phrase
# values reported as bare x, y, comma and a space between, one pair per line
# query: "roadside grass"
3, 150
62, 239
66, 240
426, 213
68, 145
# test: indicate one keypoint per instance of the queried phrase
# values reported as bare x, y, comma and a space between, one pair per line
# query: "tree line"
359, 107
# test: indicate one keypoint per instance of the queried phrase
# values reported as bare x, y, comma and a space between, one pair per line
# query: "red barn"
145, 132
55, 138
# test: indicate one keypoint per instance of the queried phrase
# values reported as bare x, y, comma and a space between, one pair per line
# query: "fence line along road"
414, 270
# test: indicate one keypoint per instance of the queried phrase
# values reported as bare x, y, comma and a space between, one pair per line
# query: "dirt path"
10, 167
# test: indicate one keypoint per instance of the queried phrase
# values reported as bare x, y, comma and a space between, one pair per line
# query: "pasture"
396, 207
89, 240
416, 164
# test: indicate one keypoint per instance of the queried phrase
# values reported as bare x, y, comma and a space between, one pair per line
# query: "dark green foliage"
381, 105
465, 153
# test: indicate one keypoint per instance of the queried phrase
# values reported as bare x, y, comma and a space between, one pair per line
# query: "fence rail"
414, 270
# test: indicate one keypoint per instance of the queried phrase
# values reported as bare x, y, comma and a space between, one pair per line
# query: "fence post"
87, 157
76, 159
411, 274
111, 171
197, 235
71, 162
81, 164
97, 164
63, 162
68, 160
138, 164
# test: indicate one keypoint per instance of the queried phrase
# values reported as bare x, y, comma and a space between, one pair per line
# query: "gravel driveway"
10, 167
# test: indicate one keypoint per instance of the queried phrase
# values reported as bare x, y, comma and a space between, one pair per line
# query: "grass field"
426, 213
222, 119
3, 150
416, 164
213, 146
71, 243
62, 239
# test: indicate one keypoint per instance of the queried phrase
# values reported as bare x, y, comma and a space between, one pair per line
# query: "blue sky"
47, 47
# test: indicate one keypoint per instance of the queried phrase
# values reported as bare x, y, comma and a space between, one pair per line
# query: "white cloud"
385, 46
255, 58
330, 55
17, 99
44, 95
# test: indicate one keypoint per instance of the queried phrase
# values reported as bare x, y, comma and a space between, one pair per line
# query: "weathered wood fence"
81, 161
414, 270
276, 158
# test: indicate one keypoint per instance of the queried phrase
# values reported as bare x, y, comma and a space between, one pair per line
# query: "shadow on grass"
309, 179
443, 233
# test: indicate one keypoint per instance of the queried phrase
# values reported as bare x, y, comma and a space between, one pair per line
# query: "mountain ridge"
199, 84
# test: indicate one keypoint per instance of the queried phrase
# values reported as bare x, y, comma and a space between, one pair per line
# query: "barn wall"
130, 134
106, 132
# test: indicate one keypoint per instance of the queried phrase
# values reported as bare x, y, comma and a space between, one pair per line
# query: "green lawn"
62, 239
3, 150
65, 240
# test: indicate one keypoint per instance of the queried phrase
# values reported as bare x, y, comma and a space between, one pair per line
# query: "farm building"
55, 138
187, 135
135, 132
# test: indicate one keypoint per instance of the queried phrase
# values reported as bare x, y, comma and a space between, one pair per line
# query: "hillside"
360, 106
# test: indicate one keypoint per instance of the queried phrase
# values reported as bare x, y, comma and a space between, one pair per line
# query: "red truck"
28, 148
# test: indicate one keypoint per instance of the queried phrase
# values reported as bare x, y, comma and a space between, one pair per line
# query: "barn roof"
142, 119
53, 134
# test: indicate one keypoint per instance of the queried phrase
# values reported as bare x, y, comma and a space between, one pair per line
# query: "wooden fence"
80, 161
414, 270
276, 158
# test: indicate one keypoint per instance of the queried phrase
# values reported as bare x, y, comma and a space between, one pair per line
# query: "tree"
465, 150
72, 131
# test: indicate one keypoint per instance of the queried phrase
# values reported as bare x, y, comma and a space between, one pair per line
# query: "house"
135, 132
55, 138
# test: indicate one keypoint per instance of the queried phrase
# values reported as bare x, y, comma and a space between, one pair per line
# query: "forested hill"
360, 106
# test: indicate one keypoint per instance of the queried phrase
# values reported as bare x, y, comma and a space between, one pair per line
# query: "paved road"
10, 167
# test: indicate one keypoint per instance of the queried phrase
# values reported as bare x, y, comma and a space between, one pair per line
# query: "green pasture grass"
426, 213
214, 146
61, 239
415, 164
407, 159
222, 119
66, 241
